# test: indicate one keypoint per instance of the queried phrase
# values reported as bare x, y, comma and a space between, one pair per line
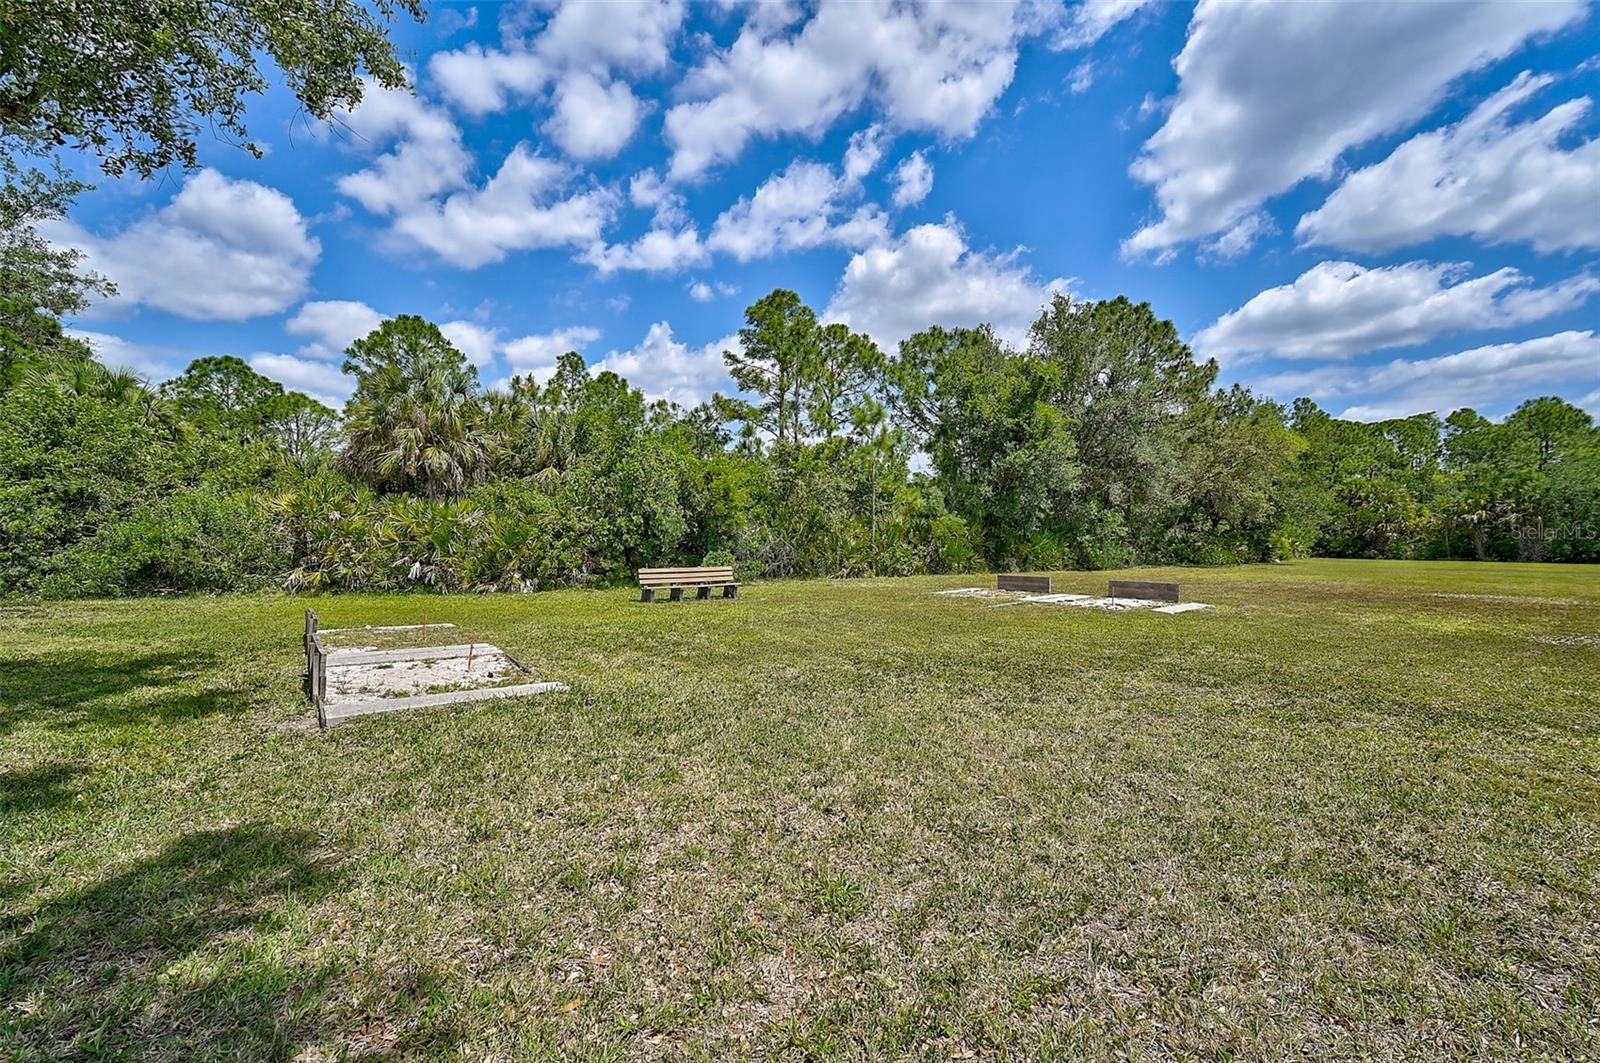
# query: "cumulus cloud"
522, 207
477, 342
482, 81
1482, 177
1271, 94
593, 119
803, 206
332, 325
933, 67
663, 368
424, 185
1341, 309
536, 355
575, 55
1490, 378
657, 251
929, 276
153, 361
1092, 19
426, 157
864, 152
220, 250
647, 190
702, 292
913, 180
319, 379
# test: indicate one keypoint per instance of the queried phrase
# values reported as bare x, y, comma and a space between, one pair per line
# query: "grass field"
1350, 813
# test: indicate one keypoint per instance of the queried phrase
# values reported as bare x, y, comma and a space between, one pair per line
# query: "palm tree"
417, 421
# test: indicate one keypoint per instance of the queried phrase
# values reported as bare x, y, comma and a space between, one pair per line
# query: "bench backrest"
1133, 588
685, 577
1030, 584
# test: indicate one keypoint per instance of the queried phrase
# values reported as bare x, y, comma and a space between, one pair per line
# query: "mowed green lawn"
1350, 813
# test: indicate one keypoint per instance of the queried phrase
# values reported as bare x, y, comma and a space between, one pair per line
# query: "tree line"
1100, 442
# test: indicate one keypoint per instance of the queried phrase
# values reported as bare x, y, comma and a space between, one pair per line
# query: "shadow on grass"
68, 692
133, 967
180, 957
37, 789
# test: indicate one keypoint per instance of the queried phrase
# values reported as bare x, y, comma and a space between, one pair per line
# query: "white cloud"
424, 186
1271, 94
593, 119
864, 152
1081, 79
427, 158
1493, 378
220, 250
332, 325
938, 67
647, 190
152, 361
1482, 177
657, 251
536, 355
799, 208
634, 36
1340, 309
930, 277
913, 180
577, 49
701, 292
480, 81
319, 379
1092, 19
663, 368
518, 209
477, 342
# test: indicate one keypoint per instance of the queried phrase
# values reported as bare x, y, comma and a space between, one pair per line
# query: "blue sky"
1391, 208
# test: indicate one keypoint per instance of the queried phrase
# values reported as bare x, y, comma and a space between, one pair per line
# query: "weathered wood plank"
340, 713
719, 570
382, 627
412, 653
1010, 581
658, 577
685, 581
1147, 590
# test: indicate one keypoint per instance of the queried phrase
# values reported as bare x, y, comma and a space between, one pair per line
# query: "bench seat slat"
1148, 590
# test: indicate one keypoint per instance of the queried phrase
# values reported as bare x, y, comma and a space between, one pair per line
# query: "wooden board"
1029, 584
1149, 591
685, 577
339, 713
410, 653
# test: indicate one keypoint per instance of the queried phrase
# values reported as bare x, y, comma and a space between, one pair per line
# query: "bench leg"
677, 594
647, 594
730, 591
702, 594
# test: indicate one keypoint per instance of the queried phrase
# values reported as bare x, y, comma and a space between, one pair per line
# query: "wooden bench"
1028, 584
677, 580
1133, 588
